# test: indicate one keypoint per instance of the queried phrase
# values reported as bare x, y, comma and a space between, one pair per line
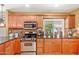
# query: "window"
53, 25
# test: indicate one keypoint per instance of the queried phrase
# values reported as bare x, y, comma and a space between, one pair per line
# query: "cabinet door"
12, 21
9, 48
69, 46
17, 46
71, 21
40, 46
29, 18
48, 46
2, 49
52, 46
9, 21
32, 18
14, 18
19, 22
78, 46
56, 46
40, 43
40, 21
40, 51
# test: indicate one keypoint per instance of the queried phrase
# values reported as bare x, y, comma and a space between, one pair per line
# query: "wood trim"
36, 13
72, 12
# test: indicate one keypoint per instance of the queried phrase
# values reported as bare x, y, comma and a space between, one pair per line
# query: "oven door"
28, 46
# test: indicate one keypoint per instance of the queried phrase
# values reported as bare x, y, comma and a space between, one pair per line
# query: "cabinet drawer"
40, 43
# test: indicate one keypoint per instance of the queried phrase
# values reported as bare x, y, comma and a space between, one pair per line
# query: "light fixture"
27, 5
2, 16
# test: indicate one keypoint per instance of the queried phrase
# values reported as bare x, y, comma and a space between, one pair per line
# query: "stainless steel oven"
28, 46
30, 25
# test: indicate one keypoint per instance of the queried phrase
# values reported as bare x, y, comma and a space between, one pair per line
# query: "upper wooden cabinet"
17, 21
10, 21
39, 21
71, 21
29, 18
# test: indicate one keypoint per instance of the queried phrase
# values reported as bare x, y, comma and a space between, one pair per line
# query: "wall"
76, 12
3, 30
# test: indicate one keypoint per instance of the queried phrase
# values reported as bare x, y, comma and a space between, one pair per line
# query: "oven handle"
27, 44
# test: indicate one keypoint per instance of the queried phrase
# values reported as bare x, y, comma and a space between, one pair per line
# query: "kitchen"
41, 31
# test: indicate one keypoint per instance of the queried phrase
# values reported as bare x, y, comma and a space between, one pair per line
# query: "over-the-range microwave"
30, 25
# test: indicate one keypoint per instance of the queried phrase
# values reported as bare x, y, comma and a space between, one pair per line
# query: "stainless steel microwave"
30, 25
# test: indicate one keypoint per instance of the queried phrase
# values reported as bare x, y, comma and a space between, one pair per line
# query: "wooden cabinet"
17, 47
9, 47
69, 46
29, 18
40, 21
9, 21
2, 49
12, 47
71, 21
12, 21
19, 22
77, 46
48, 46
52, 46
40, 46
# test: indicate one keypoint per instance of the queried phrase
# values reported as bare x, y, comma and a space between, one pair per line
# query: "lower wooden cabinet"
9, 47
58, 46
69, 46
12, 47
40, 51
52, 46
17, 47
77, 46
40, 46
2, 49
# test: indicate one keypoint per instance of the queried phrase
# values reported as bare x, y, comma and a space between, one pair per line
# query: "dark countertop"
57, 38
32, 40
8, 40
28, 40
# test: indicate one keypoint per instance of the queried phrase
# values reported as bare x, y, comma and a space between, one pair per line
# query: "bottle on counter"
11, 35
16, 34
45, 34
49, 34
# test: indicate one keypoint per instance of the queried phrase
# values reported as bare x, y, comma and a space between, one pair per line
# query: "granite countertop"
5, 39
57, 38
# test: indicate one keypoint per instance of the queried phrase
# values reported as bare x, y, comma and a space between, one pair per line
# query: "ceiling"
42, 7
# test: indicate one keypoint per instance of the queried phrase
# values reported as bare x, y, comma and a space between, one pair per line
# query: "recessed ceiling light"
27, 5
